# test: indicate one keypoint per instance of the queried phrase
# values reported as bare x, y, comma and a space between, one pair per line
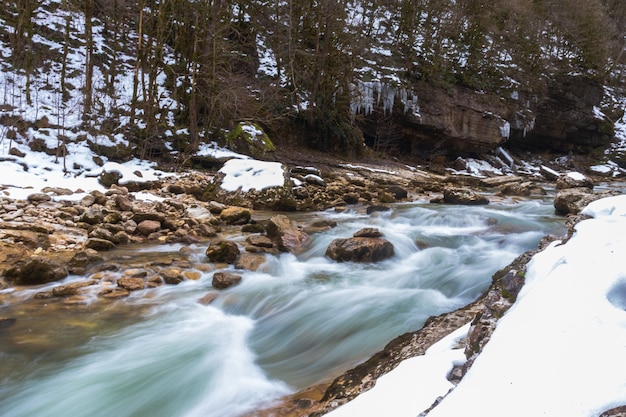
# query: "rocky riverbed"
50, 235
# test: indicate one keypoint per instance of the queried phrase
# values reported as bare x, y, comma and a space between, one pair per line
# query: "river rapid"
297, 321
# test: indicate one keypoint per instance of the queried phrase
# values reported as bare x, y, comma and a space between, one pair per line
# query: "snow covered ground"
559, 351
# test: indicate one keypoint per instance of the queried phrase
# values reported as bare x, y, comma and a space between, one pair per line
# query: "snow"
251, 174
412, 385
559, 351
577, 176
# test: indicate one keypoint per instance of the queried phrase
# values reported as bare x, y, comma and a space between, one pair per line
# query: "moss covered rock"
250, 139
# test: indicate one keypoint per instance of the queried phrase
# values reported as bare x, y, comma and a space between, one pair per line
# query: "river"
298, 321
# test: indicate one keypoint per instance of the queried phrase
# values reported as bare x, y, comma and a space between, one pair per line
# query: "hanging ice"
363, 98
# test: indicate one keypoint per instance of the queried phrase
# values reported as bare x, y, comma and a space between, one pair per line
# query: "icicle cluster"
366, 94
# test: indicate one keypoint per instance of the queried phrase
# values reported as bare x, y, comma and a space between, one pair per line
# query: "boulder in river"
222, 251
366, 245
35, 271
287, 236
223, 280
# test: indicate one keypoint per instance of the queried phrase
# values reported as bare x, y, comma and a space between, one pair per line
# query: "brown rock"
114, 293
99, 244
573, 200
288, 238
70, 289
368, 232
360, 249
35, 271
235, 215
131, 284
260, 241
146, 227
223, 280
38, 197
208, 298
573, 180
463, 196
250, 261
123, 203
222, 251
172, 276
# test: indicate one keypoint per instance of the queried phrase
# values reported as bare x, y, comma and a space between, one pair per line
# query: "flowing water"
300, 320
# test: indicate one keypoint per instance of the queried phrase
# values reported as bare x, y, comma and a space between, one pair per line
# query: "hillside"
422, 79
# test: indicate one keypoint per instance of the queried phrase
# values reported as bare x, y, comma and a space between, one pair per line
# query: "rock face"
35, 271
286, 236
565, 120
365, 246
432, 119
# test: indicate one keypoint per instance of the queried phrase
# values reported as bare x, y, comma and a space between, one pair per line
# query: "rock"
286, 236
109, 178
253, 228
57, 191
147, 227
99, 244
223, 280
465, 196
81, 259
250, 139
141, 216
573, 200
131, 284
35, 271
512, 283
123, 203
88, 200
114, 293
260, 241
573, 180
376, 207
398, 192
172, 276
360, 249
71, 289
250, 261
92, 216
38, 197
222, 251
208, 298
368, 232
315, 180
549, 173
518, 189
351, 198
235, 215
198, 213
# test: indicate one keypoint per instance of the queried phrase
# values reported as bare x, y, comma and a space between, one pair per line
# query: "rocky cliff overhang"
429, 120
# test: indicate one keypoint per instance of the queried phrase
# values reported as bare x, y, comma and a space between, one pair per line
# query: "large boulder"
286, 236
222, 251
366, 245
35, 271
250, 139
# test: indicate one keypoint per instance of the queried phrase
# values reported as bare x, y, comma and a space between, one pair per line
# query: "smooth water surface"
300, 320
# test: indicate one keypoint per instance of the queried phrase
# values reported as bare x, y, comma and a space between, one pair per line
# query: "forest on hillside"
152, 67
